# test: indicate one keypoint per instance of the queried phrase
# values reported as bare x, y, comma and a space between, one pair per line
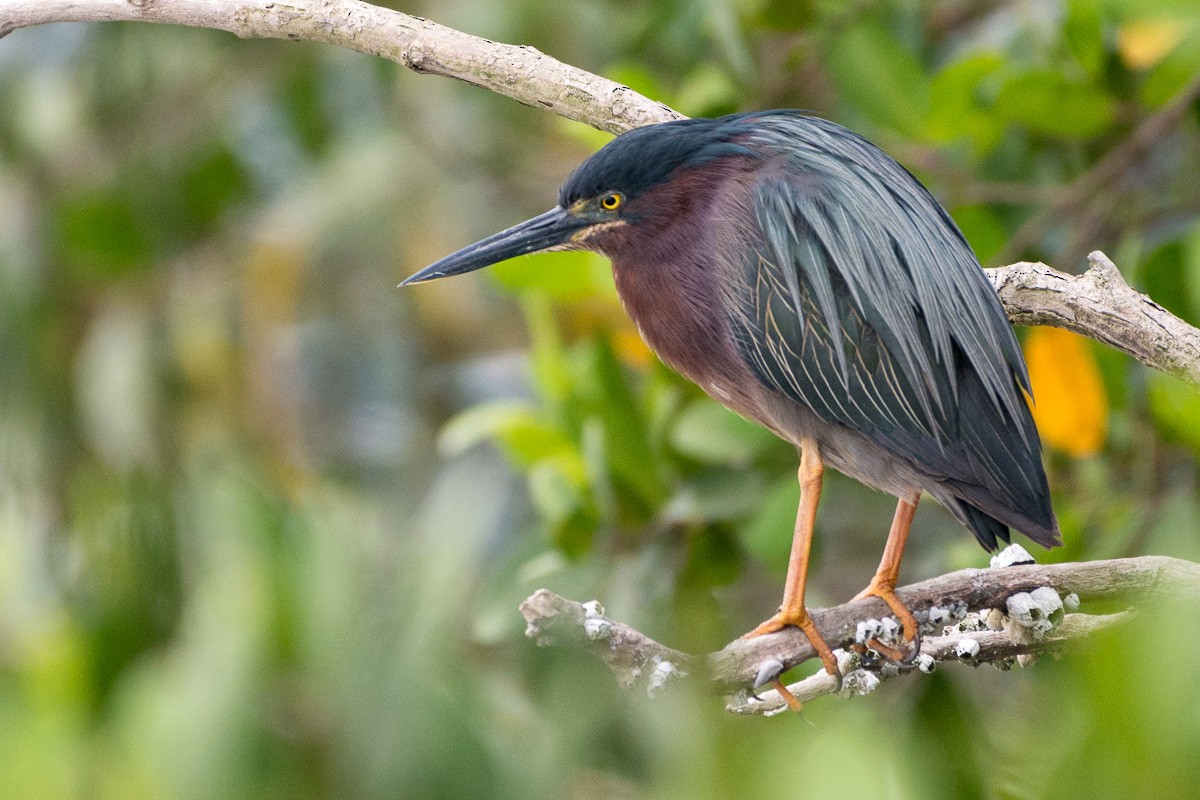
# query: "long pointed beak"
553, 228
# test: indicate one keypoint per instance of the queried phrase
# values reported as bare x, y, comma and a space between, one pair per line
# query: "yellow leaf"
1070, 406
631, 349
1143, 43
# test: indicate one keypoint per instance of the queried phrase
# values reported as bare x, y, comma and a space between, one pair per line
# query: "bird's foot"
912, 630
800, 619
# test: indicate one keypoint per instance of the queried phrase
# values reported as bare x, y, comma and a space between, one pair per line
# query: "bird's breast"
681, 317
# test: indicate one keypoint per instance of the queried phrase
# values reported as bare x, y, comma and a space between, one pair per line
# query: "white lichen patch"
1031, 615
1011, 556
592, 608
847, 661
969, 623
1071, 603
925, 663
993, 619
887, 630
967, 649
936, 619
663, 672
858, 682
596, 626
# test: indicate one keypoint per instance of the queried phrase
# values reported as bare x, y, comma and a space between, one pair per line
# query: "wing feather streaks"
876, 315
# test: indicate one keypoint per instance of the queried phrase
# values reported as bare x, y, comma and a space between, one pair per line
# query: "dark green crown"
645, 157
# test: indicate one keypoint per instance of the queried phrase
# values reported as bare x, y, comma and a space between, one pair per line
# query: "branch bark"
1100, 305
987, 646
635, 658
519, 72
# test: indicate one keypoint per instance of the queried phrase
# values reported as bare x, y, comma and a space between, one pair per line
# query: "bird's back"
807, 280
853, 296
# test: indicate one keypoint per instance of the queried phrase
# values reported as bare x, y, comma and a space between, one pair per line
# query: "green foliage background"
265, 519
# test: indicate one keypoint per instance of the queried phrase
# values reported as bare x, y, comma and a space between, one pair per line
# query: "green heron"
810, 283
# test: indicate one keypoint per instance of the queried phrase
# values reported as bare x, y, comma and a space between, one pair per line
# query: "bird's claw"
894, 656
783, 619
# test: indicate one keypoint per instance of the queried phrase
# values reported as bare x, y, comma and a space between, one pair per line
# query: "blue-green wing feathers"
862, 302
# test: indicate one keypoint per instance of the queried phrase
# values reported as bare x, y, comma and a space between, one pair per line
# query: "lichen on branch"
994, 615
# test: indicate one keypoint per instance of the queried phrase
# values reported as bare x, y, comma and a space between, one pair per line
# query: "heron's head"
639, 182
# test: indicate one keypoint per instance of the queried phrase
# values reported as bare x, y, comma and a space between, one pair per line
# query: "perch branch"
634, 656
555, 620
989, 647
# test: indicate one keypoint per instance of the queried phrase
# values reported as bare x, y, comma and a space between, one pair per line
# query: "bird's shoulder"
858, 274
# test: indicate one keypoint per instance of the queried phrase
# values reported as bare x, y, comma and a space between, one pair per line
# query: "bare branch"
1100, 305
555, 620
521, 73
633, 656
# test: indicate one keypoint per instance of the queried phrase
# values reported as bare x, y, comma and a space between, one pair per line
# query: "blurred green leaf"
707, 91
515, 426
561, 276
1162, 9
713, 558
958, 107
1165, 276
768, 534
709, 432
985, 231
605, 393
718, 496
103, 236
879, 76
1083, 31
210, 184
1190, 267
1048, 102
302, 89
1175, 407
572, 519
1169, 77
551, 370
786, 15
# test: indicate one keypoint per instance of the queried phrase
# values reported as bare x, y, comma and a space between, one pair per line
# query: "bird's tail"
990, 530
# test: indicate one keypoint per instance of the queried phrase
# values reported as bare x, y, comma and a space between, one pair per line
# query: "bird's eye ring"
611, 201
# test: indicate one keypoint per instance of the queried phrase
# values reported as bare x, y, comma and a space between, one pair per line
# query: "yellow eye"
611, 201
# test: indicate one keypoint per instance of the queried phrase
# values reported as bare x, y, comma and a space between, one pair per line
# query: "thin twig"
1100, 178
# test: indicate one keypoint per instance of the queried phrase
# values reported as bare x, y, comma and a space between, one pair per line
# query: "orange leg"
883, 585
792, 611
